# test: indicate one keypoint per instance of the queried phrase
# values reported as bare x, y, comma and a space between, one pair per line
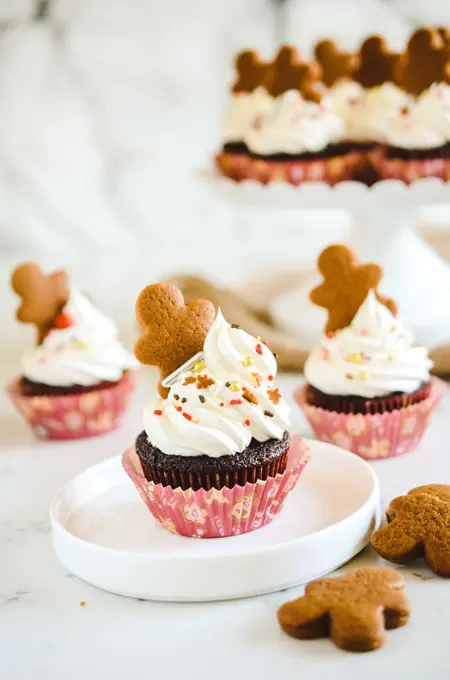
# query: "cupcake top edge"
76, 343
214, 402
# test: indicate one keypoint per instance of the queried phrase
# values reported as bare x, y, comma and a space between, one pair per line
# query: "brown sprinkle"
269, 414
227, 384
249, 396
274, 395
258, 378
202, 398
204, 381
184, 400
236, 326
176, 396
189, 380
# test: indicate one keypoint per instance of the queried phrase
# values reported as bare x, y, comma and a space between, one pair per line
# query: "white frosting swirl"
294, 125
243, 109
217, 408
85, 353
371, 358
369, 114
421, 124
347, 97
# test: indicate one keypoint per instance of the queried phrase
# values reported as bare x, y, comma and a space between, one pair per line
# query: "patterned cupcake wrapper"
218, 513
373, 436
409, 170
74, 416
241, 167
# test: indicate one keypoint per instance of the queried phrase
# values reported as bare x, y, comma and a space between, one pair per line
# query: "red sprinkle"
63, 320
235, 402
187, 416
247, 422
179, 408
222, 404
259, 349
265, 342
157, 412
270, 377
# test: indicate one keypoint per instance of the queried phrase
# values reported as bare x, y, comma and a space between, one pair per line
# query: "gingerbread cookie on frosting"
289, 72
425, 61
377, 63
354, 610
251, 72
336, 65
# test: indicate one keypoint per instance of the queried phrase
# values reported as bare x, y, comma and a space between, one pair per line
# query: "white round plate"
103, 533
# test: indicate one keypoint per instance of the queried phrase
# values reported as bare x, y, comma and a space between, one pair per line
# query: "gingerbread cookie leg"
358, 629
437, 556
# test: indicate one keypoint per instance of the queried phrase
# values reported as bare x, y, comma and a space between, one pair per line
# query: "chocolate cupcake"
216, 436
76, 381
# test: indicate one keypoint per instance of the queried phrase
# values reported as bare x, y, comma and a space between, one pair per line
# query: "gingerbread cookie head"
251, 72
173, 332
377, 64
419, 526
335, 64
354, 609
425, 61
345, 286
43, 297
289, 72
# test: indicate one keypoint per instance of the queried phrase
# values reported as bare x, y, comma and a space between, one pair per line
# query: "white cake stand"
414, 274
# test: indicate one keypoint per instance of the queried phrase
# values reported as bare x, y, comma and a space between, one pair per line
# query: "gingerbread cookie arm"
393, 543
305, 619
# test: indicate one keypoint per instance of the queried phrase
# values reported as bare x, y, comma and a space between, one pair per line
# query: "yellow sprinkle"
355, 358
235, 386
363, 375
248, 361
79, 344
390, 358
393, 329
199, 366
259, 338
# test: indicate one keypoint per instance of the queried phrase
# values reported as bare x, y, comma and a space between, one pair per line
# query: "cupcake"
295, 135
416, 136
77, 380
215, 457
368, 387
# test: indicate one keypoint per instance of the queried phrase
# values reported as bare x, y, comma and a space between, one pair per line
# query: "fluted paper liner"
218, 513
373, 436
74, 416
409, 170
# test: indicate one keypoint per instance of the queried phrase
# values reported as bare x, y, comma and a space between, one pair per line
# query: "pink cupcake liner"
374, 436
218, 513
74, 416
330, 170
409, 170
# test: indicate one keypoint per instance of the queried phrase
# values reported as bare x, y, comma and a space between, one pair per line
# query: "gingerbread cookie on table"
365, 365
77, 354
219, 422
354, 609
418, 526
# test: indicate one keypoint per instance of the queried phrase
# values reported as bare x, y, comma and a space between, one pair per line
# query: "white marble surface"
45, 633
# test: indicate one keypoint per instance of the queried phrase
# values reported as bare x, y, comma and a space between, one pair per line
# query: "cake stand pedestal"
414, 274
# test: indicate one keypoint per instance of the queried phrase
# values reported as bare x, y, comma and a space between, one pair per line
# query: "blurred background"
110, 111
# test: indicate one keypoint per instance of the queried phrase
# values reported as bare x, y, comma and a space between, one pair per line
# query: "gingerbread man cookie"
354, 609
426, 60
377, 64
335, 64
173, 332
251, 72
346, 285
43, 297
290, 73
419, 526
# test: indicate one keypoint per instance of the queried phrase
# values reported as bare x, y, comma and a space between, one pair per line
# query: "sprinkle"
82, 603
349, 376
249, 396
227, 384
204, 381
270, 377
269, 414
79, 344
364, 331
390, 357
275, 354
184, 400
176, 396
363, 375
258, 378
274, 395
259, 349
355, 358
189, 380
63, 320
331, 334
248, 361
42, 361
199, 366
157, 412
234, 386
259, 338
221, 404
235, 402
202, 398
393, 329
235, 326
324, 354
187, 416
247, 422
179, 408
264, 342
404, 110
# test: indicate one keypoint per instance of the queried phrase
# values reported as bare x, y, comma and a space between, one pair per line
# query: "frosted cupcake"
215, 457
368, 387
77, 380
295, 135
416, 136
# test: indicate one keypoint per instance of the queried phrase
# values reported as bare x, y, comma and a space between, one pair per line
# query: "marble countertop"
45, 633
